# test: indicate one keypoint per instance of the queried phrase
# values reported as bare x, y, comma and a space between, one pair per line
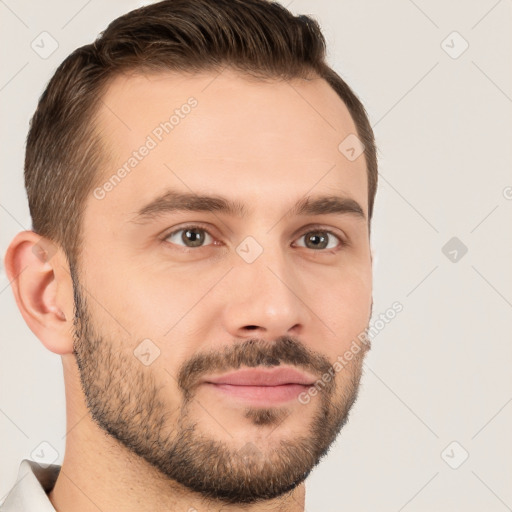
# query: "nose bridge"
266, 293
270, 272
265, 261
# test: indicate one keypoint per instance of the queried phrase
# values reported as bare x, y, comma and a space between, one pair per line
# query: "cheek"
345, 308
144, 303
162, 311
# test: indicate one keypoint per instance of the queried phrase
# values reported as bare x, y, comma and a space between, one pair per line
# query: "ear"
39, 276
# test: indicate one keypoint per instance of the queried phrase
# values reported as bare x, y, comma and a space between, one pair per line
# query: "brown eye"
320, 239
189, 236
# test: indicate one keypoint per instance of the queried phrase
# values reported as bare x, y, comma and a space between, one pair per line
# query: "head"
201, 187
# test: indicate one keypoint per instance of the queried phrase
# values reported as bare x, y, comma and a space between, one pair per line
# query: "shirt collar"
30, 492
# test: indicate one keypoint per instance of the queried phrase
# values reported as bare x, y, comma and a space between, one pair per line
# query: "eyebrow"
173, 201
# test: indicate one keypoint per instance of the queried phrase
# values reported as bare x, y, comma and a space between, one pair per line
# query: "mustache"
252, 353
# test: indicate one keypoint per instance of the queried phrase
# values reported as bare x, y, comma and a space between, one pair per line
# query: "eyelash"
342, 242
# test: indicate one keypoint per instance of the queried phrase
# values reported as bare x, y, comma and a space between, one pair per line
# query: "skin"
267, 145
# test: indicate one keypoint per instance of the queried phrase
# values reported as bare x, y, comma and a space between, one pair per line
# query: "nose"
266, 298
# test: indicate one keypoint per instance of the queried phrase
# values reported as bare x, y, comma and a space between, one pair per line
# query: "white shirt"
30, 492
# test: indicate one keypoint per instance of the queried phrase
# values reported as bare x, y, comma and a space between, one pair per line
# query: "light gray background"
440, 371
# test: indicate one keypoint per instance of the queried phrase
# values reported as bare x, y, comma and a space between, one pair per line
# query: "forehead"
226, 134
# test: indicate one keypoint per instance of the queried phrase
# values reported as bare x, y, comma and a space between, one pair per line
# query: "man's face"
173, 303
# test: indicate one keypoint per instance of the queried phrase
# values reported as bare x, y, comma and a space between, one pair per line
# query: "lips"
263, 377
262, 387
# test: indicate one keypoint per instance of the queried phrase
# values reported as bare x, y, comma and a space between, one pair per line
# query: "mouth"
261, 386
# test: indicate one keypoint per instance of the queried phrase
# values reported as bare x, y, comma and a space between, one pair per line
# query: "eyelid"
298, 234
321, 227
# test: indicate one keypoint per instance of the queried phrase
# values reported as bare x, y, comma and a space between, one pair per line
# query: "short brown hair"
64, 152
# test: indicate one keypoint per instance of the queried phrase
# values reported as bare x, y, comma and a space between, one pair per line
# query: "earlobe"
42, 288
